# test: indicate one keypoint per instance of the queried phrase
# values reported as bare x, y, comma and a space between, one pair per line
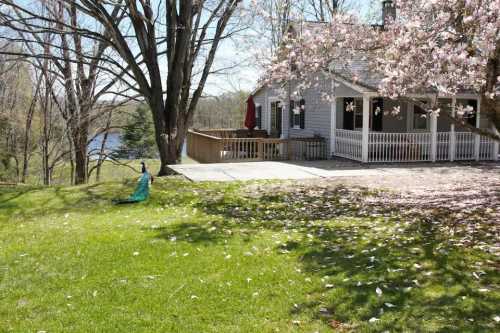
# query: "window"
297, 114
358, 113
353, 113
471, 116
258, 116
419, 118
467, 110
275, 106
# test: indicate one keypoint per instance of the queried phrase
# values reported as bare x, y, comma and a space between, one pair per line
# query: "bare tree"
163, 51
51, 32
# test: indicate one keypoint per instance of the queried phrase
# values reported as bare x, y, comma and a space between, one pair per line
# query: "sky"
245, 71
246, 74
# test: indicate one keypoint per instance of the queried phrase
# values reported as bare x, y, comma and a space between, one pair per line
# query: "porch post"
267, 111
433, 137
366, 128
453, 140
495, 145
333, 124
477, 137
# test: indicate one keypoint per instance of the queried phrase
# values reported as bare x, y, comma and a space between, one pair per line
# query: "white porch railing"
443, 146
487, 149
413, 147
348, 144
395, 147
464, 146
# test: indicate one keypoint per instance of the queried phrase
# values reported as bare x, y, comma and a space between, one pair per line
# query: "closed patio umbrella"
250, 120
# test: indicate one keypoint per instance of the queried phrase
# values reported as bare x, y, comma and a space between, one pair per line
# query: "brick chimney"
388, 11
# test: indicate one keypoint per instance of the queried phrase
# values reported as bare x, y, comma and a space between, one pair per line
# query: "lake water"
113, 143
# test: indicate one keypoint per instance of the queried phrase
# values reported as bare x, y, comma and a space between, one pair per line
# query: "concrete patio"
319, 169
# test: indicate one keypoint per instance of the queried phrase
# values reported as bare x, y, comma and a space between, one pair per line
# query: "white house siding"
317, 115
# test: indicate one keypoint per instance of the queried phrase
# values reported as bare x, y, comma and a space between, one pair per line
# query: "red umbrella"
250, 120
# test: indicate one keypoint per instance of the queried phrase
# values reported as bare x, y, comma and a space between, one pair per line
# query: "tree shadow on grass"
32, 203
358, 240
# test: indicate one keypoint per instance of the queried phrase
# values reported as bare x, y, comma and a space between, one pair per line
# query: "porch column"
366, 128
453, 140
433, 136
267, 111
495, 145
333, 124
477, 137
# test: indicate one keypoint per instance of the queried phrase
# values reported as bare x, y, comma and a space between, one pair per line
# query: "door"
276, 119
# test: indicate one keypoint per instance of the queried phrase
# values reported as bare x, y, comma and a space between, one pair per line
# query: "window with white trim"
358, 113
297, 114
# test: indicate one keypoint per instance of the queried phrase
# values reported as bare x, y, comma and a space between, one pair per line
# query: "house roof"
359, 71
356, 69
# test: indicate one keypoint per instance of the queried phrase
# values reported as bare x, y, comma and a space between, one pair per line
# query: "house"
368, 132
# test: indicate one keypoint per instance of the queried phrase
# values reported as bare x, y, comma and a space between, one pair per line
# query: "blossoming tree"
434, 47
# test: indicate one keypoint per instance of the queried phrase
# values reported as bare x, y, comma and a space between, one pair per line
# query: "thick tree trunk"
166, 148
80, 162
166, 143
168, 154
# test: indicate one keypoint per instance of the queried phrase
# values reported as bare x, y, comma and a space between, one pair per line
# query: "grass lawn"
109, 171
236, 257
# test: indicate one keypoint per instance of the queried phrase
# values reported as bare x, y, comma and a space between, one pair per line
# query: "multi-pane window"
358, 113
297, 114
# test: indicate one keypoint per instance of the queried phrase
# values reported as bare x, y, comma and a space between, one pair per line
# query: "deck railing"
227, 146
413, 147
233, 133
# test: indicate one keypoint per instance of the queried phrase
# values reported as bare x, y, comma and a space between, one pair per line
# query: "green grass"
109, 171
213, 257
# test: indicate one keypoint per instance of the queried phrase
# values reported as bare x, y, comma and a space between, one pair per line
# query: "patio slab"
324, 169
289, 170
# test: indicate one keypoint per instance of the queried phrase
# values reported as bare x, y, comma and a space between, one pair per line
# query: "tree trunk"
45, 163
26, 143
167, 150
102, 156
80, 161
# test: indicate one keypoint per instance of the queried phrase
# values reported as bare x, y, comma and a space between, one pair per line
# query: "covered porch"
368, 134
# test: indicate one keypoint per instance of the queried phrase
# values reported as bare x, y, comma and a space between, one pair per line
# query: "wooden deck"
217, 146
